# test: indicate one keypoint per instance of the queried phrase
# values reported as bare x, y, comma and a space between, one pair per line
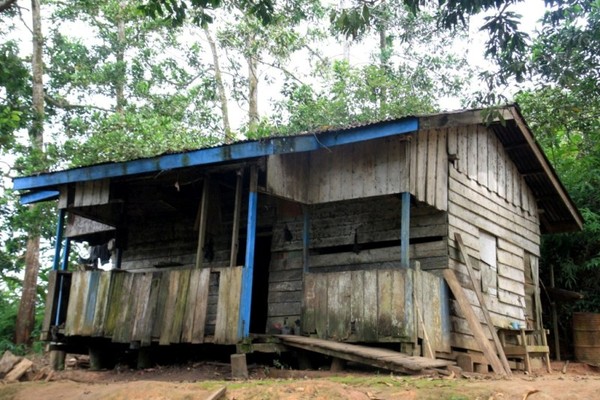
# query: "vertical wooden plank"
472, 158
358, 171
452, 135
516, 186
393, 166
441, 187
161, 302
191, 304
492, 163
380, 157
482, 156
75, 304
233, 313
122, 301
101, 304
409, 308
525, 195
203, 217
463, 150
384, 303
87, 326
501, 171
321, 305
333, 306
140, 315
169, 310
432, 160
509, 180
201, 301
398, 329
246, 288
49, 307
59, 238
309, 309
404, 167
413, 165
237, 210
180, 302
344, 291
112, 314
334, 188
405, 231
150, 309
357, 308
346, 177
370, 305
421, 188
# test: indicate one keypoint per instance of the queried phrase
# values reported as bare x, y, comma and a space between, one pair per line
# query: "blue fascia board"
233, 152
34, 197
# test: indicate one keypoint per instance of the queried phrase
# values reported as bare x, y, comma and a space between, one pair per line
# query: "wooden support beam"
554, 318
203, 216
59, 235
246, 289
473, 321
405, 231
235, 233
486, 314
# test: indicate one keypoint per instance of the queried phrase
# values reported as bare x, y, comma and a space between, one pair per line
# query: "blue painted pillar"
405, 230
59, 238
65, 260
247, 272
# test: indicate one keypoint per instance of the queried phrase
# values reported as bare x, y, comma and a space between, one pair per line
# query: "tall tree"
26, 312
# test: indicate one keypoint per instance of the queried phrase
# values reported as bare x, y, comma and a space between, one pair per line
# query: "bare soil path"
198, 381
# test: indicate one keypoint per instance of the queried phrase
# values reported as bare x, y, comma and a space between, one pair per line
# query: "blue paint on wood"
35, 197
247, 274
92, 297
59, 300
306, 237
59, 235
405, 231
65, 259
233, 152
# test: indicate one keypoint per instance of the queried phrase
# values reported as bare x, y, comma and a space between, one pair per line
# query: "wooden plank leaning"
473, 321
486, 314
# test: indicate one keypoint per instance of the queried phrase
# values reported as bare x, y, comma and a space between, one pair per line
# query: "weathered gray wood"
421, 179
235, 231
432, 162
472, 151
169, 307
202, 218
228, 306
473, 321
441, 173
18, 371
101, 304
180, 303
381, 358
49, 305
150, 310
482, 155
488, 319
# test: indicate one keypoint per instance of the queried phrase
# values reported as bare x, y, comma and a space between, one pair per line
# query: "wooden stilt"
236, 220
203, 211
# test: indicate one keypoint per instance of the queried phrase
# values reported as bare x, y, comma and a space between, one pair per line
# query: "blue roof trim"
34, 197
236, 151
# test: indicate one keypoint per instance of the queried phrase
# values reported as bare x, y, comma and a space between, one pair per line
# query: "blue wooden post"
59, 237
405, 230
246, 290
65, 260
57, 260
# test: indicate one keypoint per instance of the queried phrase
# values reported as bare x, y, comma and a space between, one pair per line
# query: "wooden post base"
57, 359
239, 368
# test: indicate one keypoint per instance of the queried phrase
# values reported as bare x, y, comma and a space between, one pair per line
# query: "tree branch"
65, 105
282, 69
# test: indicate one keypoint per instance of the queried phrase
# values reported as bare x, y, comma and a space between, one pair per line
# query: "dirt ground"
200, 380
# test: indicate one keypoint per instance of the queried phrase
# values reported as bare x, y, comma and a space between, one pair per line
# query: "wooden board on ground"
376, 357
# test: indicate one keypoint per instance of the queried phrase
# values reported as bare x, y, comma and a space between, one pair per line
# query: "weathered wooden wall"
173, 306
376, 306
487, 194
347, 236
417, 163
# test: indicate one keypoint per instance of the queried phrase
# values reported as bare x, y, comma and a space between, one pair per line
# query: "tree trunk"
26, 312
220, 87
252, 89
121, 67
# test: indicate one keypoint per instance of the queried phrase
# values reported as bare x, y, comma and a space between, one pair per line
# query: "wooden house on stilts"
417, 234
